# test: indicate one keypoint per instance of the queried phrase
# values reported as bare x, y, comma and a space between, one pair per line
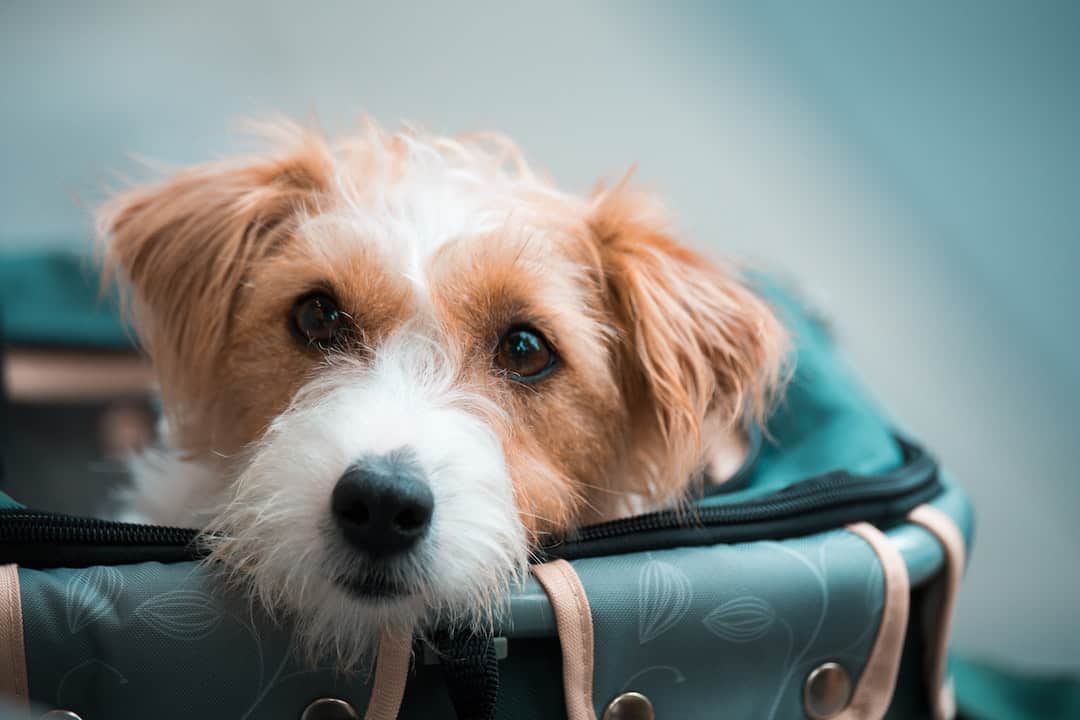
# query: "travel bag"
819, 582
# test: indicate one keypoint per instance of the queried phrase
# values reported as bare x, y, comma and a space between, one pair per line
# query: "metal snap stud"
827, 691
630, 706
329, 709
60, 715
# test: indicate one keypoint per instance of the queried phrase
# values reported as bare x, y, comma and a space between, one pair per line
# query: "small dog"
393, 365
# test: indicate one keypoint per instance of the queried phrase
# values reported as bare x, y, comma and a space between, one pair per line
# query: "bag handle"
939, 605
573, 620
874, 692
391, 673
13, 683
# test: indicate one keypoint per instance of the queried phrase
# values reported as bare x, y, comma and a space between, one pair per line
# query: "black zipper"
22, 525
33, 538
827, 501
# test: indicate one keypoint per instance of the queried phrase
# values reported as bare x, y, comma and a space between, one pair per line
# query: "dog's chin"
343, 605
374, 589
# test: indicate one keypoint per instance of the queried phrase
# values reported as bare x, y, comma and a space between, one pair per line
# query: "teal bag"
818, 583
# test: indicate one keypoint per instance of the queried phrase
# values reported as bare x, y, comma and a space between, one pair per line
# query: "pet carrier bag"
817, 583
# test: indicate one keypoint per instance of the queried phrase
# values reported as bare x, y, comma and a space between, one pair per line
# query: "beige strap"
391, 673
573, 620
13, 685
938, 605
874, 692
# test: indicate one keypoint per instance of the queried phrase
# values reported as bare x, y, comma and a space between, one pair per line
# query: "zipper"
36, 539
827, 501
807, 496
20, 525
39, 539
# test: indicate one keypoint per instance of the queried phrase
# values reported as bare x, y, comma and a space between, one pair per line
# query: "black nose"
383, 504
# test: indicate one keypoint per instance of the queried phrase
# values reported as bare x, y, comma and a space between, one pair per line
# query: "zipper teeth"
23, 526
824, 493
30, 527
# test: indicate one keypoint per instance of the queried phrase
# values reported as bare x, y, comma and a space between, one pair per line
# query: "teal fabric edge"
825, 420
55, 298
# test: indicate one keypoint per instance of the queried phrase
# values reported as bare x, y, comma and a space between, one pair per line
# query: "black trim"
820, 503
38, 539
471, 672
32, 538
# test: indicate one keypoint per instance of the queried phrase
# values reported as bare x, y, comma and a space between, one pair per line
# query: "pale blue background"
916, 165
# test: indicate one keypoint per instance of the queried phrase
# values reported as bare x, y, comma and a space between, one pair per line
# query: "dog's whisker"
535, 516
601, 488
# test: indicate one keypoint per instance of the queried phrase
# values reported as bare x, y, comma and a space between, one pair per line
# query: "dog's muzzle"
382, 504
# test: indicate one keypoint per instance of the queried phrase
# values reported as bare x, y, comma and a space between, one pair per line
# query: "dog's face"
408, 363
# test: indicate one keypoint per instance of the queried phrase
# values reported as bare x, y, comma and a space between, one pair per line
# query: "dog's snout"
383, 504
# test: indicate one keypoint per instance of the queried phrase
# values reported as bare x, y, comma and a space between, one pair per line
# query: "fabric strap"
13, 683
471, 672
873, 694
391, 673
939, 602
573, 620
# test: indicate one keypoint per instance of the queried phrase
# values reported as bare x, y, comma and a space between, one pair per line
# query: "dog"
393, 365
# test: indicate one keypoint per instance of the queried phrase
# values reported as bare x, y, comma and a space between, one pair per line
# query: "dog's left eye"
525, 354
316, 319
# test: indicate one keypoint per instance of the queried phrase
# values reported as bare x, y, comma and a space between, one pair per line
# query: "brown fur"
656, 343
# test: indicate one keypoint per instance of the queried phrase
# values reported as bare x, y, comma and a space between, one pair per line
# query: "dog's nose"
383, 504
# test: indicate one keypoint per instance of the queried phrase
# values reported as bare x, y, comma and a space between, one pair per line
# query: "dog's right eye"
316, 319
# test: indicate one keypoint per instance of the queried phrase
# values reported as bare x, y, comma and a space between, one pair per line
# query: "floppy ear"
184, 245
700, 352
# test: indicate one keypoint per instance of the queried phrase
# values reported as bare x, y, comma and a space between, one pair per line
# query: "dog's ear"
184, 245
696, 344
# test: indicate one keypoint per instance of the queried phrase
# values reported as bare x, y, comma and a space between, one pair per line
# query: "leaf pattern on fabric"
181, 614
664, 595
86, 680
676, 675
741, 620
91, 594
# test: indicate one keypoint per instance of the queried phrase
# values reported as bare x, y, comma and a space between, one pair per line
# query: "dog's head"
409, 358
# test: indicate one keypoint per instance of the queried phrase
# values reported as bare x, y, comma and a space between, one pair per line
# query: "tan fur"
185, 247
696, 344
656, 343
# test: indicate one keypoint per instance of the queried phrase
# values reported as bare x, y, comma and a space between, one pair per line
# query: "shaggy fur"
433, 248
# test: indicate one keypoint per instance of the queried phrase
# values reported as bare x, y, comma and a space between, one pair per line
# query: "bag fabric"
837, 544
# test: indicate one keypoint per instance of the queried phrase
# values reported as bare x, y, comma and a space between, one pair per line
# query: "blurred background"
916, 166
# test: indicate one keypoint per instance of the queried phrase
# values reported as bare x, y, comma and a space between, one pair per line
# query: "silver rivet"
629, 706
329, 709
827, 691
60, 715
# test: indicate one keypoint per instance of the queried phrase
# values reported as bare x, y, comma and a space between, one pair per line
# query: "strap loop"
573, 619
939, 605
874, 692
391, 673
13, 683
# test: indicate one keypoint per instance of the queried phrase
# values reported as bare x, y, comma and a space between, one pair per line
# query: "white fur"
169, 490
406, 196
267, 509
278, 534
440, 190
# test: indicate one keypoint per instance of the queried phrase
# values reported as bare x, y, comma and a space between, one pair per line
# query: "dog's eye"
316, 319
525, 354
